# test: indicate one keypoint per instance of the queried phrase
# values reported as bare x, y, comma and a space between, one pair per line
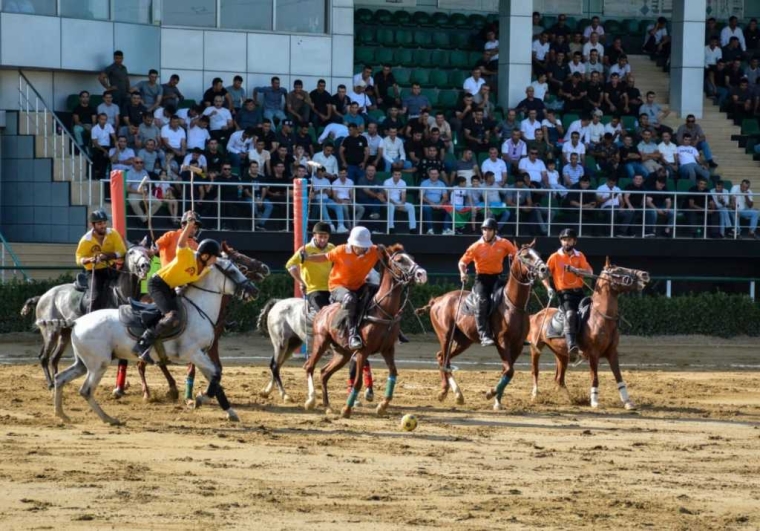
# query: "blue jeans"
691, 170
724, 214
372, 204
651, 219
261, 212
722, 95
427, 218
407, 164
704, 147
324, 203
635, 168
355, 172
235, 160
752, 216
271, 114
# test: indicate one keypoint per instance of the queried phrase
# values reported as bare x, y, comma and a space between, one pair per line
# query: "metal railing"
520, 211
74, 163
6, 252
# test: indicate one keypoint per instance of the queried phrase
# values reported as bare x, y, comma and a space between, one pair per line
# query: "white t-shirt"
498, 167
577, 125
320, 185
668, 151
330, 163
472, 85
217, 119
580, 68
342, 190
599, 30
184, 115
568, 148
741, 200
492, 46
361, 99
614, 130
726, 34
393, 149
539, 89
606, 193
236, 143
540, 49
394, 189
202, 162
528, 129
173, 138
102, 135
197, 137
160, 120
621, 71
712, 56
687, 155
534, 169
358, 80
262, 158
595, 132
599, 47
459, 197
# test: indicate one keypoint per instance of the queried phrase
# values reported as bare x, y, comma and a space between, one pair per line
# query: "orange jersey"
488, 257
350, 270
167, 246
565, 279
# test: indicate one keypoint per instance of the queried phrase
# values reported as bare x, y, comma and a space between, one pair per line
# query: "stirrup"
355, 342
486, 341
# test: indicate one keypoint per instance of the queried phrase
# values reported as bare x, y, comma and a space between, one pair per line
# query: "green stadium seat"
403, 75
421, 18
441, 20
384, 17
547, 21
456, 78
492, 18
629, 26
441, 39
385, 37
750, 127
384, 55
422, 58
439, 79
749, 148
460, 59
628, 123
448, 99
187, 103
569, 118
477, 22
684, 185
607, 118
421, 76
727, 184
458, 20
366, 36
481, 158
423, 39
474, 57
97, 99
611, 27
364, 56
643, 25
440, 58
72, 100
402, 18
405, 38
377, 115
571, 22
404, 57
363, 16
623, 182
460, 40
432, 95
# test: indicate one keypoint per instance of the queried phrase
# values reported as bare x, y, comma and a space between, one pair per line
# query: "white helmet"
360, 237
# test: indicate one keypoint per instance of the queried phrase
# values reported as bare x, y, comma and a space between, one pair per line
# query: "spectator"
431, 160
151, 157
216, 158
444, 128
545, 150
593, 44
132, 113
343, 195
733, 31
281, 155
621, 68
579, 126
655, 113
198, 135
540, 51
261, 156
277, 191
742, 100
150, 91
196, 158
495, 165
609, 197
110, 109
537, 27
574, 146
722, 200
613, 52
582, 200
236, 93
732, 52
120, 155
575, 44
464, 112
328, 161
573, 93
461, 205
490, 203
84, 117
552, 178
658, 206
713, 52
103, 137
396, 192
392, 120
353, 117
512, 151
477, 132
255, 192
535, 168
634, 97
607, 155
631, 159
576, 65
138, 197
711, 30
220, 120
559, 45
488, 67
414, 104
491, 47
594, 64
669, 152
320, 197
540, 87
217, 89
473, 83
701, 209
174, 138
386, 88
633, 205
298, 103
273, 99
531, 103
752, 38
370, 194
483, 100
552, 128
415, 148
171, 93
529, 126
285, 136
507, 125
572, 173
230, 190
354, 153
753, 72
115, 79
716, 84
466, 166
560, 28
657, 40
365, 76
698, 138
163, 116
334, 132
241, 142
374, 142
521, 199
742, 202
594, 27
340, 104
650, 154
615, 96
247, 116
434, 198
594, 130
300, 156
321, 104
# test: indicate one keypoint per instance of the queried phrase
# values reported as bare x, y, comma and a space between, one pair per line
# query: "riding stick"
453, 327
146, 202
546, 312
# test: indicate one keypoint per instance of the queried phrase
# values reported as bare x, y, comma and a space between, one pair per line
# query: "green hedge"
712, 314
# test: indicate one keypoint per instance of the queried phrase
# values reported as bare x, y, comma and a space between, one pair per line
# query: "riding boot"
571, 329
481, 318
144, 344
402, 337
355, 342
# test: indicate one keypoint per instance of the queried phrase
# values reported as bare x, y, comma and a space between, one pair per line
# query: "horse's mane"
395, 248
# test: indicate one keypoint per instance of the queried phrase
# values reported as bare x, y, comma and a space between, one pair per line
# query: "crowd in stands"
583, 146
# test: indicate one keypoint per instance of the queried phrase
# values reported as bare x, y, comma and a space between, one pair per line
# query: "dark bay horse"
599, 335
509, 323
379, 330
256, 272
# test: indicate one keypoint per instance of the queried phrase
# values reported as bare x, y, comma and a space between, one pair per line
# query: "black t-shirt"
613, 54
288, 161
577, 194
210, 94
558, 72
215, 160
86, 114
255, 186
304, 141
734, 76
633, 93
574, 90
729, 54
637, 200
390, 122
416, 148
477, 130
625, 151
277, 193
615, 94
594, 91
720, 77
354, 147
134, 113
417, 127
659, 199
752, 38
228, 192
383, 83
285, 140
699, 197
560, 30
341, 104
425, 164
320, 100
461, 106
563, 47
268, 138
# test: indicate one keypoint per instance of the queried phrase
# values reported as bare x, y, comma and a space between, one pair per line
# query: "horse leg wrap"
594, 396
189, 383
623, 390
389, 387
367, 373
121, 374
503, 383
214, 386
352, 398
350, 385
221, 398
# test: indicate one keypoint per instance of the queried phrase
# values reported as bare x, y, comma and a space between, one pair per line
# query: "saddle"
556, 325
341, 320
80, 282
138, 316
470, 305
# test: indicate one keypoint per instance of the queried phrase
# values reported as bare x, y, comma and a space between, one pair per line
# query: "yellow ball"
408, 422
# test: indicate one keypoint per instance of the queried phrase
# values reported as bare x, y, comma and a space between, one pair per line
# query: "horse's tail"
426, 309
261, 324
30, 305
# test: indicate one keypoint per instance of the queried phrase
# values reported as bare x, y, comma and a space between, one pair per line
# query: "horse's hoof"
118, 393
232, 416
369, 394
263, 394
595, 405
490, 394
310, 404
201, 399
172, 394
534, 395
345, 412
442, 395
63, 418
630, 406
460, 399
114, 422
146, 397
286, 398
329, 412
190, 403
497, 406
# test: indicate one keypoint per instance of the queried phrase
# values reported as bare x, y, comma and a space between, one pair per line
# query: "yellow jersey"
314, 274
182, 270
89, 247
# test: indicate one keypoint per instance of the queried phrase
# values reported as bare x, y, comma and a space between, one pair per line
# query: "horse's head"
137, 261
233, 281
530, 263
254, 270
402, 266
623, 279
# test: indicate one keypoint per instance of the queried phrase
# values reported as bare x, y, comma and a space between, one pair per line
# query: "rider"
96, 250
488, 253
167, 244
352, 263
313, 276
562, 266
187, 267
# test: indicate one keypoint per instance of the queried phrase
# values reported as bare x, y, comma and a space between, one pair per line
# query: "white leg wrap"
594, 397
453, 384
623, 390
534, 394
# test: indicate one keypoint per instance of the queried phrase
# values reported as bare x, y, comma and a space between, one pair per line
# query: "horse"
456, 330
379, 331
58, 308
100, 336
598, 336
256, 272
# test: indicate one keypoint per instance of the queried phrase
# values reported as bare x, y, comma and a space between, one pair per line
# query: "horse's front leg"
190, 384
593, 363
535, 356
390, 360
612, 357
361, 356
508, 371
444, 373
143, 383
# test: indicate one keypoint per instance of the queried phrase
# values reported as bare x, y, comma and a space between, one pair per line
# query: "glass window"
301, 16
30, 7
89, 9
137, 11
198, 13
246, 14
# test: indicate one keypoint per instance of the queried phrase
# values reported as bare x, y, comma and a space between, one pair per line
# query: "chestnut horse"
599, 335
379, 330
509, 323
256, 272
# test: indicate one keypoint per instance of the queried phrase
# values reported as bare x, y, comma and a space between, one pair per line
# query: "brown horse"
599, 335
254, 271
379, 330
509, 323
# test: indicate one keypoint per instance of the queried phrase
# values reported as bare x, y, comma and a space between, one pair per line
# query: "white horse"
100, 336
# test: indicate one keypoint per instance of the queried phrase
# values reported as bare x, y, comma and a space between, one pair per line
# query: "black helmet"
568, 233
98, 215
209, 246
322, 227
489, 223
186, 215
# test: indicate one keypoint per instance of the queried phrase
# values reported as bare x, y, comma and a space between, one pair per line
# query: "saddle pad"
80, 283
137, 321
497, 295
556, 326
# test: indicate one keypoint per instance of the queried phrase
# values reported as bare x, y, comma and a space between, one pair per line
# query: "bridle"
400, 278
531, 274
240, 288
624, 279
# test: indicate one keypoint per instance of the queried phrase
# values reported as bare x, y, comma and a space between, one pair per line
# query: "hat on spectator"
598, 112
287, 122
